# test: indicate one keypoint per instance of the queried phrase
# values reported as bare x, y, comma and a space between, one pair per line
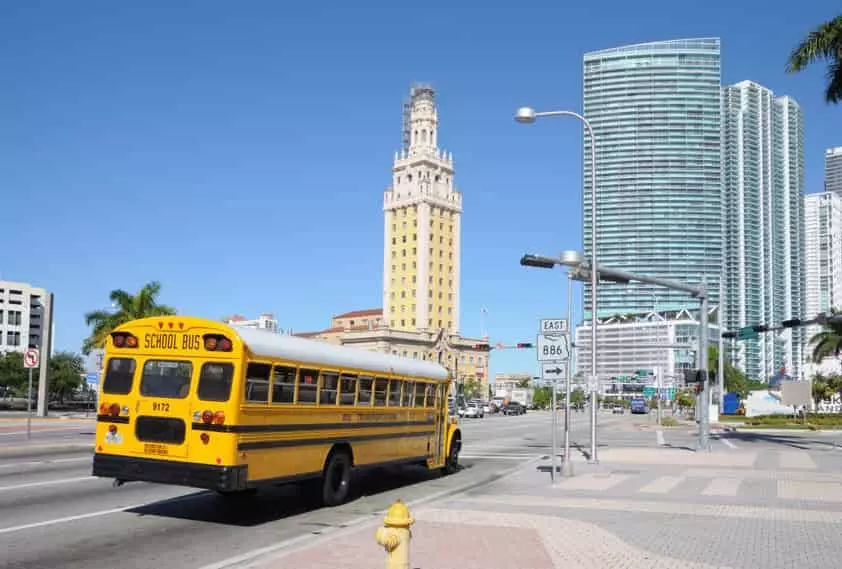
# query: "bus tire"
451, 464
336, 479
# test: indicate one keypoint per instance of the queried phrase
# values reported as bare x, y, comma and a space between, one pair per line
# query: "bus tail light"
112, 429
114, 410
225, 345
207, 417
210, 343
219, 417
205, 438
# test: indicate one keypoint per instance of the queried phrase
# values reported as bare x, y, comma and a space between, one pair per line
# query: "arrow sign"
553, 371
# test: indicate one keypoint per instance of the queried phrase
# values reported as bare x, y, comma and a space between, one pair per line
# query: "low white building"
24, 317
265, 321
627, 345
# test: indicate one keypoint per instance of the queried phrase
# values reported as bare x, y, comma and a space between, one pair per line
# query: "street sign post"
31, 358
554, 326
553, 347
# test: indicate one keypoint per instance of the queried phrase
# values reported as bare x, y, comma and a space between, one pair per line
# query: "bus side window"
366, 387
308, 383
408, 388
327, 391
348, 389
380, 386
283, 386
395, 393
429, 394
439, 394
257, 383
420, 388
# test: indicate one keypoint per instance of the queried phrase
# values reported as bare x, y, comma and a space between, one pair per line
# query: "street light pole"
528, 115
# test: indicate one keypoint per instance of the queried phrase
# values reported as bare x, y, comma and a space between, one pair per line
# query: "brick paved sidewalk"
467, 539
637, 509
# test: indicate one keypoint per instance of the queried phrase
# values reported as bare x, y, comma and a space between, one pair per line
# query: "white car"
474, 410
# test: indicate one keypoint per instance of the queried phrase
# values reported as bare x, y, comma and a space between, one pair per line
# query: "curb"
287, 547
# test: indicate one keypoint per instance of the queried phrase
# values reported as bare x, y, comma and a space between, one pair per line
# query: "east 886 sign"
552, 347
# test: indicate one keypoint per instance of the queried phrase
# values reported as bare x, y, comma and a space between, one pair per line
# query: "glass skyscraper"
763, 189
655, 111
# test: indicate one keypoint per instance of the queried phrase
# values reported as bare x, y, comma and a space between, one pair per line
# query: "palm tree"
128, 307
828, 342
823, 43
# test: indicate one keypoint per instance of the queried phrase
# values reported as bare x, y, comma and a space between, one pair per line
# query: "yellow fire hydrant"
395, 536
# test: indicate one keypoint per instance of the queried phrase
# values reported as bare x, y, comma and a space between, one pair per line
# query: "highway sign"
552, 347
30, 358
553, 370
554, 326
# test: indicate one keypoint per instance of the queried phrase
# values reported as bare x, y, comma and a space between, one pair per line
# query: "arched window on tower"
424, 136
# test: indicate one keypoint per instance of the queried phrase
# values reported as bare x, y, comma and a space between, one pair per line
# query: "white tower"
422, 226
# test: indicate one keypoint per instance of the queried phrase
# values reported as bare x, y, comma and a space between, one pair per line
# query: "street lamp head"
525, 115
537, 261
572, 258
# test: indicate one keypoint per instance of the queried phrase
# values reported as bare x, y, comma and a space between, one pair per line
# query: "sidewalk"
643, 508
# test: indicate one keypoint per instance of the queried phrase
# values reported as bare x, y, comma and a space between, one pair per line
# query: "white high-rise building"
823, 254
763, 189
23, 317
423, 213
833, 170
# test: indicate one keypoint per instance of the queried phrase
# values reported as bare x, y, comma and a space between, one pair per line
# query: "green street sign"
747, 333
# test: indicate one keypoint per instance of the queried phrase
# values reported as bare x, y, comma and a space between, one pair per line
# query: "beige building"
421, 260
24, 319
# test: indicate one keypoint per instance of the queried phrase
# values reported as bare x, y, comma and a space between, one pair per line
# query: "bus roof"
270, 344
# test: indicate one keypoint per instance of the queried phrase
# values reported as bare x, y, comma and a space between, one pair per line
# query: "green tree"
577, 397
828, 342
824, 43
524, 383
685, 399
735, 380
472, 389
65, 374
821, 388
128, 307
12, 373
542, 397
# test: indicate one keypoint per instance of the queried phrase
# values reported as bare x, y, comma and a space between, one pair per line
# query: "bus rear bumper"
211, 477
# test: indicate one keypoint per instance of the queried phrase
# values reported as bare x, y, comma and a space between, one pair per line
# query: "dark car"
514, 408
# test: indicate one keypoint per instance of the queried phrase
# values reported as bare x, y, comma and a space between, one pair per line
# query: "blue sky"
238, 152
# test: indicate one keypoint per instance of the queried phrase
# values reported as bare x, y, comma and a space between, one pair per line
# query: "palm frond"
821, 43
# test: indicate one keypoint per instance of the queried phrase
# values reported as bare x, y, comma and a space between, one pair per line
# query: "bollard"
395, 536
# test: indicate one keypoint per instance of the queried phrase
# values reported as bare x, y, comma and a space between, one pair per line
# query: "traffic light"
482, 347
524, 345
730, 334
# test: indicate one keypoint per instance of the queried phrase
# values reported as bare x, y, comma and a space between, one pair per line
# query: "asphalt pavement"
54, 514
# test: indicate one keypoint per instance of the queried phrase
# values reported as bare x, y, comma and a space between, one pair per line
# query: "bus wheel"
451, 465
336, 480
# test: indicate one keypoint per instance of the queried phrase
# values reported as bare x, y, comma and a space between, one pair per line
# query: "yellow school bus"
193, 402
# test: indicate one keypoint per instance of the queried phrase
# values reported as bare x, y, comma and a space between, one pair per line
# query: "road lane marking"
47, 483
55, 461
722, 487
662, 485
500, 456
659, 435
728, 443
103, 513
35, 431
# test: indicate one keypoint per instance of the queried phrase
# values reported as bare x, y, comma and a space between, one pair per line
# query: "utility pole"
46, 347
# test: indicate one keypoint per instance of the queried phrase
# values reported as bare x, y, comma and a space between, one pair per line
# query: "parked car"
514, 408
618, 410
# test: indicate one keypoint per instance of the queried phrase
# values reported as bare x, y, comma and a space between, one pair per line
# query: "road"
54, 514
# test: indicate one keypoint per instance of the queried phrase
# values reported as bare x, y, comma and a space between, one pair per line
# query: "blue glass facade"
655, 111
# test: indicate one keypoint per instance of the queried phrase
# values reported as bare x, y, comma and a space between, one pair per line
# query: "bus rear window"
119, 376
170, 379
215, 382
